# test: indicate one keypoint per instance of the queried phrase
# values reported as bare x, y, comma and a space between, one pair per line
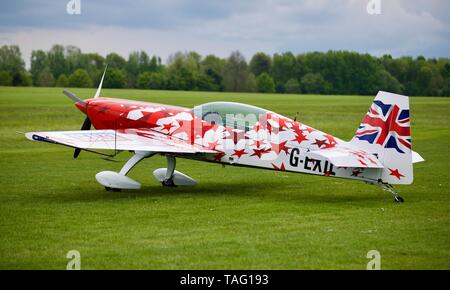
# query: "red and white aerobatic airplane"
239, 134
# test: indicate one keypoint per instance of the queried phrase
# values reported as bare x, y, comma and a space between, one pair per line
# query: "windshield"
229, 114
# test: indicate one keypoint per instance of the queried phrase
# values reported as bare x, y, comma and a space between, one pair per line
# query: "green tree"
446, 88
5, 78
80, 78
11, 59
212, 67
115, 78
45, 78
235, 73
12, 62
115, 61
39, 61
265, 83
250, 84
260, 63
283, 68
22, 79
75, 59
96, 61
314, 83
57, 60
292, 86
181, 79
385, 81
62, 81
139, 62
183, 71
152, 80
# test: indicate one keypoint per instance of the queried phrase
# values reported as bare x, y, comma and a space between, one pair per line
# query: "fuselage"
242, 135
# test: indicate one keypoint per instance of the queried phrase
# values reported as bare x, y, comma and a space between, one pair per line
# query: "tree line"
332, 72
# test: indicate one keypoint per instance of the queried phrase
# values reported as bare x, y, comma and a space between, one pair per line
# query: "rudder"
385, 132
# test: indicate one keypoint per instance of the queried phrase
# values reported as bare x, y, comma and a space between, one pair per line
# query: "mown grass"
236, 217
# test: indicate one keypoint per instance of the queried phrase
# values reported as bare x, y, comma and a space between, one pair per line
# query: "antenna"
295, 118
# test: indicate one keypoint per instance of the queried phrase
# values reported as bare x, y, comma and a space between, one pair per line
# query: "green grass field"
236, 217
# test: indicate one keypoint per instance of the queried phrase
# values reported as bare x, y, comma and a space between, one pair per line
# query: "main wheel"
169, 183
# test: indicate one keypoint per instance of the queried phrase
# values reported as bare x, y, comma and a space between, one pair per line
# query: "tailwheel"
390, 188
398, 199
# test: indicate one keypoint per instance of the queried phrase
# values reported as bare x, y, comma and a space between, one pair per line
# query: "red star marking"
259, 152
257, 127
279, 147
167, 127
239, 153
181, 129
329, 145
396, 173
319, 143
310, 130
218, 156
300, 138
356, 172
213, 145
330, 139
206, 127
258, 143
298, 131
328, 173
281, 168
282, 124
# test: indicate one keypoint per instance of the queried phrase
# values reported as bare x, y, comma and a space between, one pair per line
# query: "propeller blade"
97, 93
76, 153
86, 126
74, 98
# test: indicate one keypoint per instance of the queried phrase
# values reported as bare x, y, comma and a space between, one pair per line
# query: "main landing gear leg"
171, 164
390, 188
171, 177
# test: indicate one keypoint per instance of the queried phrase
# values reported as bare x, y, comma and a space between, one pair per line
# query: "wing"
126, 139
343, 156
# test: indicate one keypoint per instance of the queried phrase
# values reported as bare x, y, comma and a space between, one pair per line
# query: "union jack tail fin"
385, 132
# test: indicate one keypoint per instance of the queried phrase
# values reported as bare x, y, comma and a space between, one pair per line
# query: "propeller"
87, 122
86, 126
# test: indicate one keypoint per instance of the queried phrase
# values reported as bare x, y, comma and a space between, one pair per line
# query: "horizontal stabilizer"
416, 158
346, 157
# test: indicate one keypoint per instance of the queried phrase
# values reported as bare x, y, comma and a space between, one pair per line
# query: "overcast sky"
162, 27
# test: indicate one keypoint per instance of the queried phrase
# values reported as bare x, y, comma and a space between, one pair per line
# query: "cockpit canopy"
229, 114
